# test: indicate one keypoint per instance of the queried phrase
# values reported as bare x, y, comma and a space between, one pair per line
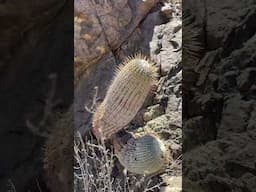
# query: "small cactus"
146, 155
125, 96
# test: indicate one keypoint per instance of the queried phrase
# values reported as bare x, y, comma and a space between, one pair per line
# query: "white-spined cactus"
125, 96
146, 155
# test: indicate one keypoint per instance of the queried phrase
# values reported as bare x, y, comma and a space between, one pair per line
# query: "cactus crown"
140, 65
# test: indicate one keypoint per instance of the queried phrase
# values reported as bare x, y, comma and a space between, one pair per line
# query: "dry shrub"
96, 170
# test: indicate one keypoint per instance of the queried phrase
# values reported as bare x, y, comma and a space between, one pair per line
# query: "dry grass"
94, 165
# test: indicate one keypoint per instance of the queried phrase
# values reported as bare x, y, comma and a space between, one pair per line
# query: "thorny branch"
94, 167
93, 106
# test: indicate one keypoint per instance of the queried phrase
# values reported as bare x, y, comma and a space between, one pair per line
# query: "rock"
103, 26
248, 180
168, 10
219, 109
222, 162
175, 146
205, 65
169, 91
174, 184
246, 79
174, 104
241, 58
234, 78
252, 119
234, 116
142, 35
190, 185
222, 18
168, 121
166, 45
197, 131
95, 68
153, 112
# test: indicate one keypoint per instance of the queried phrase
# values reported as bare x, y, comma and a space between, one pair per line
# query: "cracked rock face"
223, 163
225, 80
95, 68
102, 26
166, 45
219, 118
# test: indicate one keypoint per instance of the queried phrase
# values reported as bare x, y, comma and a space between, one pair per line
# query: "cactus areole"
132, 83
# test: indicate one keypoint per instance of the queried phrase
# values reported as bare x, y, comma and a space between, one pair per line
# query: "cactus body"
125, 96
144, 155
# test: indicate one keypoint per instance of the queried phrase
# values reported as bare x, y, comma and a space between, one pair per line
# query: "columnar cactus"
144, 155
125, 96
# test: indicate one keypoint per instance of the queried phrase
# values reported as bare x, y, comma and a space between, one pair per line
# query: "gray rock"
221, 18
167, 49
234, 116
169, 121
152, 112
246, 79
223, 163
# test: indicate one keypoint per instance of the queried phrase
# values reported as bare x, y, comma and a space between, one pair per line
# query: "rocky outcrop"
102, 27
224, 164
224, 80
219, 104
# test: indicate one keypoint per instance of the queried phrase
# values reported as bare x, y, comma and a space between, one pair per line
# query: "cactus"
145, 155
125, 96
59, 154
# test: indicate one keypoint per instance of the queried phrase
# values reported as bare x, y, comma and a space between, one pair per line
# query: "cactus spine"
125, 96
144, 155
